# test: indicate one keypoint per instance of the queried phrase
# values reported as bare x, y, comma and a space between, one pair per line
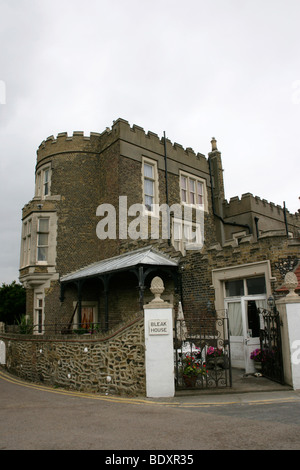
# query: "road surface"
36, 417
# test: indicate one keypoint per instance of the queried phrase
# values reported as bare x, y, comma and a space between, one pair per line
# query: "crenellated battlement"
121, 129
78, 142
149, 140
249, 202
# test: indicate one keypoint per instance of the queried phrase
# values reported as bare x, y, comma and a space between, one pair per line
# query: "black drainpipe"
234, 224
167, 192
256, 219
285, 220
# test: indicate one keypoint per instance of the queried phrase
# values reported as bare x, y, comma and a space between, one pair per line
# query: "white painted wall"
293, 316
2, 353
159, 353
290, 314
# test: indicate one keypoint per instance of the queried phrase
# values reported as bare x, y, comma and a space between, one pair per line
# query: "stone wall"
82, 363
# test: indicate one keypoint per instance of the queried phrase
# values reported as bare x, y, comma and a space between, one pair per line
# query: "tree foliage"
12, 302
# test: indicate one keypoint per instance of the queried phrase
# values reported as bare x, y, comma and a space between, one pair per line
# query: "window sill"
199, 207
193, 246
147, 213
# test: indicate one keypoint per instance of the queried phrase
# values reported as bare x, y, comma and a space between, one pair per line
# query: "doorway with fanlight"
242, 291
243, 300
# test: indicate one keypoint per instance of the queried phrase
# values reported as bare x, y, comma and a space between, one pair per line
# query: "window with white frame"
150, 185
242, 280
42, 239
248, 286
193, 190
186, 235
46, 182
39, 314
43, 182
26, 243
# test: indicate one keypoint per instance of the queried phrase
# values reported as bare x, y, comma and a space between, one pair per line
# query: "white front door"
244, 325
236, 333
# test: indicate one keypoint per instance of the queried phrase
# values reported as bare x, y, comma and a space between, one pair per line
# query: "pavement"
242, 383
249, 389
245, 389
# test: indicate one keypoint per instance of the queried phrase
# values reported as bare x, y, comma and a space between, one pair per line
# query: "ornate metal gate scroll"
271, 347
202, 353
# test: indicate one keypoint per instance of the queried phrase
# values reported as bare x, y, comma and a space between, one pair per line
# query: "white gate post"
159, 349
2, 353
289, 309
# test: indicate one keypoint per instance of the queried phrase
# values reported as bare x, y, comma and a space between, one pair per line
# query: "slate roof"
143, 256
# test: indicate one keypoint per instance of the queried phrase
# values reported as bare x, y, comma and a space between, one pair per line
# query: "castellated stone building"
222, 255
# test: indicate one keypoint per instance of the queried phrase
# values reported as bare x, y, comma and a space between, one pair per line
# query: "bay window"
26, 248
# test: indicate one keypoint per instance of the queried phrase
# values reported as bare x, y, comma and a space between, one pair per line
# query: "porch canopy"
141, 262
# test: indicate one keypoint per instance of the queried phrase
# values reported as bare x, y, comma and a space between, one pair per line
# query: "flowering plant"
192, 368
257, 355
214, 352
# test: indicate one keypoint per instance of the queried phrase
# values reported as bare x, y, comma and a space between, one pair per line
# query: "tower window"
42, 239
43, 182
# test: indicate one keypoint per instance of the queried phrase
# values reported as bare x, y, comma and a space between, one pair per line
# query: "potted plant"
215, 357
191, 370
257, 357
214, 352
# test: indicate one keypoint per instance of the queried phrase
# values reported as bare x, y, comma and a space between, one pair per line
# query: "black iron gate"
271, 346
202, 353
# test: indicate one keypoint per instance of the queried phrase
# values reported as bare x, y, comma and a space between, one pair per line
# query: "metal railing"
57, 328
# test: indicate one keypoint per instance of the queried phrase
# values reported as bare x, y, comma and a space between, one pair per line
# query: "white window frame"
155, 205
245, 286
43, 183
220, 275
29, 244
189, 178
26, 246
183, 228
39, 314
46, 246
46, 182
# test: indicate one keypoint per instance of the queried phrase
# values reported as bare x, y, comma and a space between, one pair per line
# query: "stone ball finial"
291, 282
157, 287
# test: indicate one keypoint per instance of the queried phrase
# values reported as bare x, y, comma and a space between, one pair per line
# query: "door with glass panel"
244, 298
236, 332
251, 307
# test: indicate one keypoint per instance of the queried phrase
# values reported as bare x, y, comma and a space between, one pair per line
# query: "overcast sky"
194, 69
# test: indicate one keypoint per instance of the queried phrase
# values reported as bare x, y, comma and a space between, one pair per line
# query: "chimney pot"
213, 144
